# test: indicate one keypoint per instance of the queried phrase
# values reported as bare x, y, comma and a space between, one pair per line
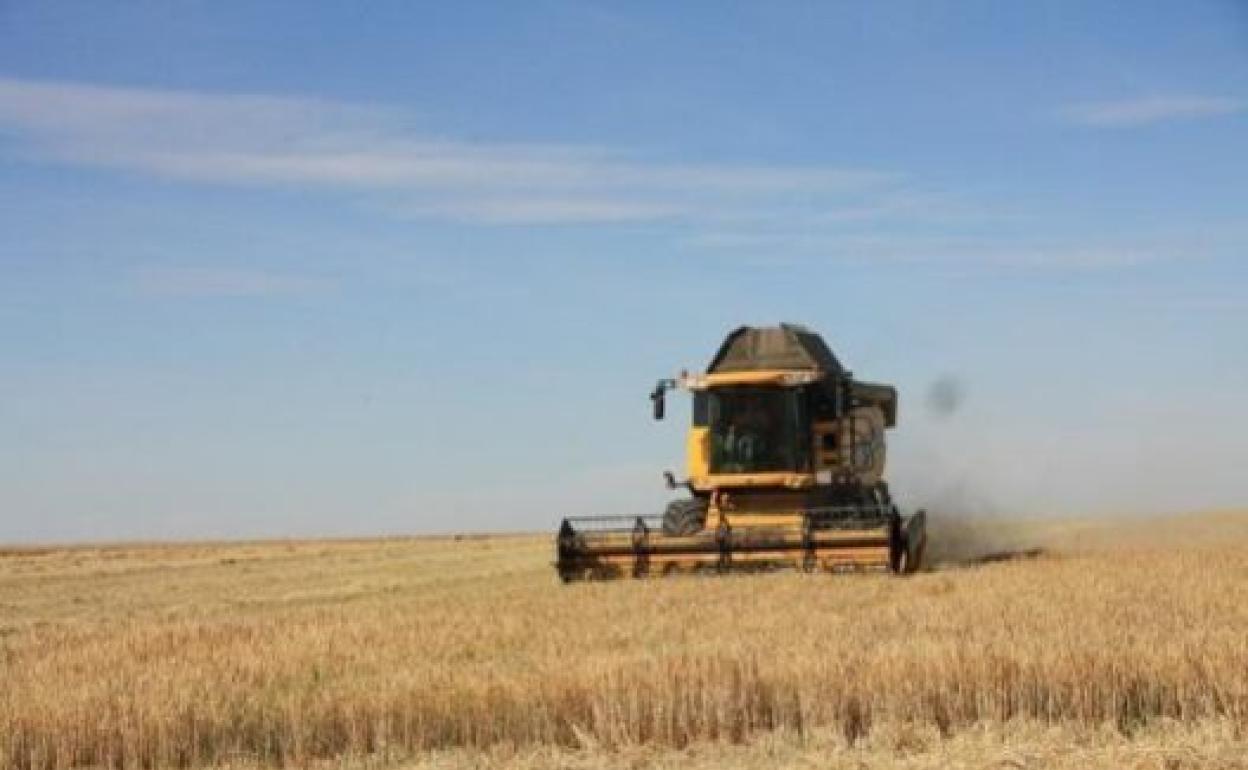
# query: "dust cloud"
965, 525
956, 539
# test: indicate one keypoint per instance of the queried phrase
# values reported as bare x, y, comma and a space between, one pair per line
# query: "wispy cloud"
264, 140
1030, 253
222, 282
382, 158
1151, 109
543, 211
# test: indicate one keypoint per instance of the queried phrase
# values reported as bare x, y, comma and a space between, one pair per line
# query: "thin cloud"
263, 140
542, 211
382, 159
1151, 109
221, 282
931, 249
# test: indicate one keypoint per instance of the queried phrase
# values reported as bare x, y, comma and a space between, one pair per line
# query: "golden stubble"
292, 653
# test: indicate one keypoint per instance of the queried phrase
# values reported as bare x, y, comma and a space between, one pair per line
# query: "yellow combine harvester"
785, 469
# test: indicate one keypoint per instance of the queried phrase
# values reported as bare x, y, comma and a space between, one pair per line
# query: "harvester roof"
772, 354
787, 347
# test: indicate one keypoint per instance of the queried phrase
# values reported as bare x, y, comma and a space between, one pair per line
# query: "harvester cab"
785, 466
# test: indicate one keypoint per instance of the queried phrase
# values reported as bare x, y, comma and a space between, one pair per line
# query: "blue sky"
297, 269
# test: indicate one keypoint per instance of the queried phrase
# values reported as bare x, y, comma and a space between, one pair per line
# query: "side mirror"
656, 398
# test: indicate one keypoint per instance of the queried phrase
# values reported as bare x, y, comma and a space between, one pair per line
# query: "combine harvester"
785, 469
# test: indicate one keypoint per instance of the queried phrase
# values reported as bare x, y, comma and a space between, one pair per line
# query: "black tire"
684, 517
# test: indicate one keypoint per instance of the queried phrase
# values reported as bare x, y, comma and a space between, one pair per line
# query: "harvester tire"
684, 517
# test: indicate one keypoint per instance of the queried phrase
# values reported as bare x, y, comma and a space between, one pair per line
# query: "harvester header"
784, 468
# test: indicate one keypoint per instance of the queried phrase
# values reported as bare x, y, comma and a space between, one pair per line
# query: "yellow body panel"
698, 452
749, 519
746, 510
713, 481
782, 377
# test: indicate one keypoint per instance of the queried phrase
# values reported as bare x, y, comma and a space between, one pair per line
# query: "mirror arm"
656, 397
670, 479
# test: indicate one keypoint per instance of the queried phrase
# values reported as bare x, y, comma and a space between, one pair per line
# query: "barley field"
1113, 643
